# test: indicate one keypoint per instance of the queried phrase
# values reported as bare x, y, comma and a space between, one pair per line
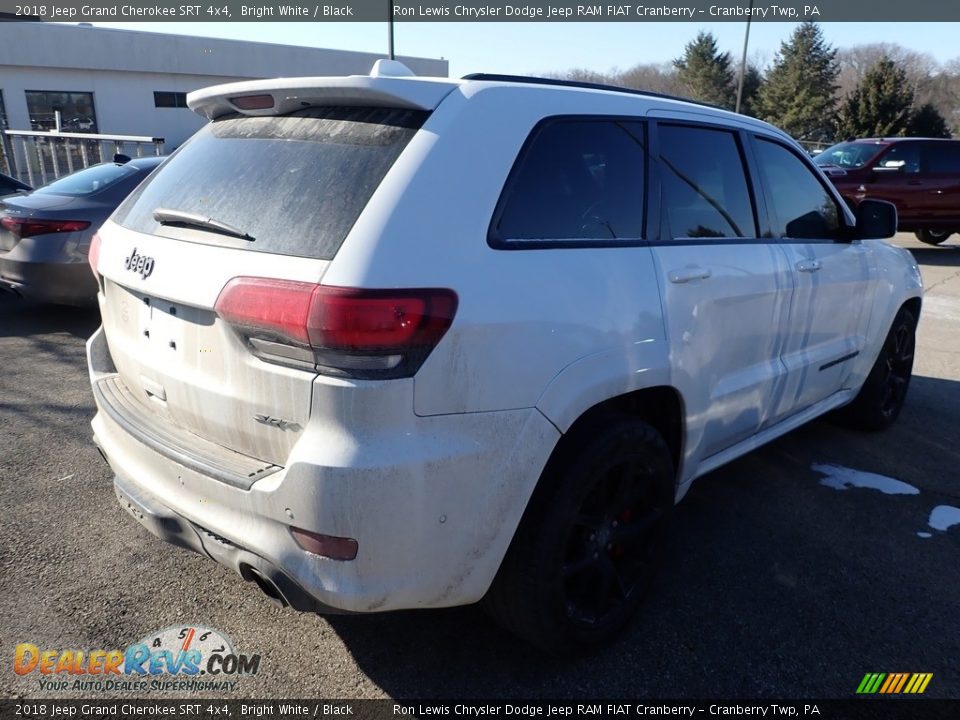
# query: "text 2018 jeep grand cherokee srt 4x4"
411, 343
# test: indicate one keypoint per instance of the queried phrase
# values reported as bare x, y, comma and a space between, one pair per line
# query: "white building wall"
122, 101
124, 68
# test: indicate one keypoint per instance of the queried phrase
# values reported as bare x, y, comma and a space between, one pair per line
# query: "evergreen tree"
752, 80
705, 73
880, 104
797, 94
927, 122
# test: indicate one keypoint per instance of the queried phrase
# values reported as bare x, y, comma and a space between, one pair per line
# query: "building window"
75, 108
3, 113
170, 99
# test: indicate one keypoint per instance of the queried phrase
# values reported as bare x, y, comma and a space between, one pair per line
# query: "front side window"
802, 206
705, 192
902, 157
576, 180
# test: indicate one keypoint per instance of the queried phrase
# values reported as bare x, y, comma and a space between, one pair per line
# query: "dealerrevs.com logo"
193, 658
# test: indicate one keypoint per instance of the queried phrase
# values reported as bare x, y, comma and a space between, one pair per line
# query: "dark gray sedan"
45, 235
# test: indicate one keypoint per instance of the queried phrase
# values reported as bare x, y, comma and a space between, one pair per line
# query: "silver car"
45, 235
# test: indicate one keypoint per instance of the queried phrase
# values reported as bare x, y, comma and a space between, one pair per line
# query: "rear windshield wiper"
165, 216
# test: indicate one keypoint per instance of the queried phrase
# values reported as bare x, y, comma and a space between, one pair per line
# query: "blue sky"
531, 48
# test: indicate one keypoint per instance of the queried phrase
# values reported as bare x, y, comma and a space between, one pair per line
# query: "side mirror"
876, 220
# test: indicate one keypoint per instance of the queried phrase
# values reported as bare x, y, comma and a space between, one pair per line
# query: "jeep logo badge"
139, 264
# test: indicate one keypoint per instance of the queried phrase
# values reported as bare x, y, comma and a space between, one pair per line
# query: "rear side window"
575, 180
89, 180
802, 206
295, 183
941, 158
705, 192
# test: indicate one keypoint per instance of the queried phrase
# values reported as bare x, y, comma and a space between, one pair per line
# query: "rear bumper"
167, 525
68, 283
432, 502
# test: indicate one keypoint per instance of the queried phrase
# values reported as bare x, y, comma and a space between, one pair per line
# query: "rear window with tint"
295, 183
576, 180
89, 181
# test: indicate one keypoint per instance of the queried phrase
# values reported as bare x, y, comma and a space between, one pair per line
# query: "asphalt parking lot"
777, 585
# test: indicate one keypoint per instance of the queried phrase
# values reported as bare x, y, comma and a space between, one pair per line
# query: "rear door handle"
809, 265
691, 272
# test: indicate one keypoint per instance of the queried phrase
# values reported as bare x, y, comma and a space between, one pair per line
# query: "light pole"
390, 29
743, 59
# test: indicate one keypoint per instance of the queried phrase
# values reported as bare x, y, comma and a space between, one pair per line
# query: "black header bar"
701, 11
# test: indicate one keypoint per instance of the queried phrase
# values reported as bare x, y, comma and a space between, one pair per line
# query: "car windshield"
89, 180
848, 154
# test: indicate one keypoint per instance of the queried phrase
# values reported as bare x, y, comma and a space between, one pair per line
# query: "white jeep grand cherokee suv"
384, 342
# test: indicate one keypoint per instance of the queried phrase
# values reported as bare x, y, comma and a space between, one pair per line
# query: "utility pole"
743, 59
390, 29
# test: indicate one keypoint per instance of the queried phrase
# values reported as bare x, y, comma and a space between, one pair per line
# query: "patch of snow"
844, 478
943, 517
924, 534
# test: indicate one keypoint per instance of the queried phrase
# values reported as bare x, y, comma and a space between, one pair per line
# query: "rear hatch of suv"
247, 197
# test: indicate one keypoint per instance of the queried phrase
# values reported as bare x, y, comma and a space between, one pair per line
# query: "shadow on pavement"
942, 255
26, 318
775, 586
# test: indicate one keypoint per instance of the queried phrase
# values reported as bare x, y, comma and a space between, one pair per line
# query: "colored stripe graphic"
892, 679
870, 683
903, 680
894, 683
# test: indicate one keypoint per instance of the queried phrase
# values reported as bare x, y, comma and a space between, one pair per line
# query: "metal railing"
40, 157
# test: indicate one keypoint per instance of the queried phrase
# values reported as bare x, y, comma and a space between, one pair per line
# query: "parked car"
11, 186
920, 176
385, 342
45, 235
79, 124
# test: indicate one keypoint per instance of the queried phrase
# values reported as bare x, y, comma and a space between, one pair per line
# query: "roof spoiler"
390, 84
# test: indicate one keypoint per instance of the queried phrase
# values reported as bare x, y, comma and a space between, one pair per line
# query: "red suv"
920, 176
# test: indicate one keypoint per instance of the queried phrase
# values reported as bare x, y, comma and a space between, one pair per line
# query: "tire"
933, 237
881, 398
591, 540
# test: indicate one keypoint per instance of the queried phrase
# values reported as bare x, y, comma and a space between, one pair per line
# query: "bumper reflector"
335, 548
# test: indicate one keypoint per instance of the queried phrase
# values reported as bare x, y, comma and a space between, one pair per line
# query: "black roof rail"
531, 80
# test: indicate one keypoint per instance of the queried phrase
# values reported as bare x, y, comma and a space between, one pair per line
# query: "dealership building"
122, 82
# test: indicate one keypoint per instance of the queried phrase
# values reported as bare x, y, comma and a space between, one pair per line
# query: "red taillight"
336, 548
386, 320
253, 102
28, 227
93, 255
363, 333
279, 307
